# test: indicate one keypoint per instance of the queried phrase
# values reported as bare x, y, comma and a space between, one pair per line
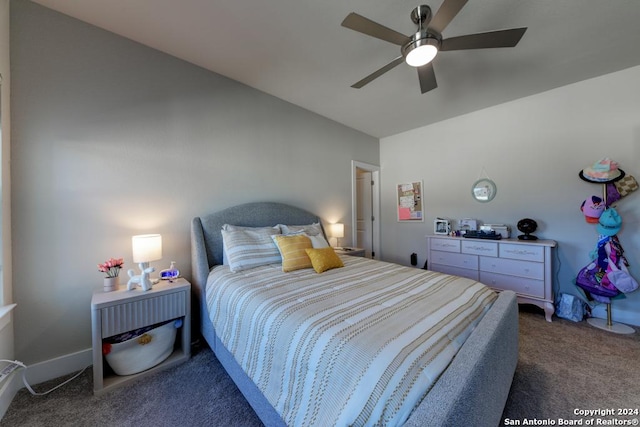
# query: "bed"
471, 390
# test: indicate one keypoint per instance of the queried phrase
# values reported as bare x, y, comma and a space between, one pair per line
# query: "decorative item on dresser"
527, 226
524, 267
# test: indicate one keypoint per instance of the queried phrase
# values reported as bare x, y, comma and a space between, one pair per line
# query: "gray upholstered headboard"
206, 238
248, 215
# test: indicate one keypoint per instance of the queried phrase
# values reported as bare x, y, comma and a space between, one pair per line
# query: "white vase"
111, 284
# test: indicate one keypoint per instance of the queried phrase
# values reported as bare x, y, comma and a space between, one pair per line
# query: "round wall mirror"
484, 190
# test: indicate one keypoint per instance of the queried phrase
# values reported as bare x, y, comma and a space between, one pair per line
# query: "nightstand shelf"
350, 251
121, 311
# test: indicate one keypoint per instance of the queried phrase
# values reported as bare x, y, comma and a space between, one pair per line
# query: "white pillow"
248, 248
230, 227
309, 229
317, 241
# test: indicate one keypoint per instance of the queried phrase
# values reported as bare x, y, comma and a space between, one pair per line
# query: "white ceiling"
297, 50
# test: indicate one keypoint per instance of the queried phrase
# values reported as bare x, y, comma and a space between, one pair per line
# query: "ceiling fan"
419, 49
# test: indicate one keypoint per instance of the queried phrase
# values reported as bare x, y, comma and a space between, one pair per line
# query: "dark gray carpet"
195, 393
562, 366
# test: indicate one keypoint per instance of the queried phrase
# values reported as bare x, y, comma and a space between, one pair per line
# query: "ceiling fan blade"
427, 78
366, 26
448, 10
500, 38
378, 73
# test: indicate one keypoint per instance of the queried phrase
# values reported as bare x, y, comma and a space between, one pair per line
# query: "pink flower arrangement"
111, 266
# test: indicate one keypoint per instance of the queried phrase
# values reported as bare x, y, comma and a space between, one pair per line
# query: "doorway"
365, 224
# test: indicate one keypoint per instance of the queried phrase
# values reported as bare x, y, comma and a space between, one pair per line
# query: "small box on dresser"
113, 313
524, 267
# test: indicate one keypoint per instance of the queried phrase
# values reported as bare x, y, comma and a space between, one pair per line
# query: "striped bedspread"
359, 345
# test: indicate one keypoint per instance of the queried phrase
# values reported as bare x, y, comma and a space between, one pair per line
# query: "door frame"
375, 199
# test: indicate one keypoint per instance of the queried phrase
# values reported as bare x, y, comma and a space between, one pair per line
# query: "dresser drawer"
520, 285
523, 266
480, 248
522, 252
455, 271
531, 270
455, 260
446, 245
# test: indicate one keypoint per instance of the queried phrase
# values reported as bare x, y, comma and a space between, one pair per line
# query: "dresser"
523, 266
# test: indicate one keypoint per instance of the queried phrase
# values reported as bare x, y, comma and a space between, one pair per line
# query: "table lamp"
337, 231
146, 248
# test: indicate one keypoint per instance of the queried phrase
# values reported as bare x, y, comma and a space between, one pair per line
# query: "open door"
366, 208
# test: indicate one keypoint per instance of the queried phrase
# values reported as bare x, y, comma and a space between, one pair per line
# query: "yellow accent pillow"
292, 249
324, 259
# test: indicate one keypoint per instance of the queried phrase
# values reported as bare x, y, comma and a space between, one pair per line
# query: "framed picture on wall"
409, 204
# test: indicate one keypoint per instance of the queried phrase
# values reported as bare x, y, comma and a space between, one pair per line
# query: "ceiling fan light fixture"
419, 49
421, 52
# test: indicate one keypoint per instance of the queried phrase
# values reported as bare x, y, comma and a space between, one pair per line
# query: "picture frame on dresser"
525, 267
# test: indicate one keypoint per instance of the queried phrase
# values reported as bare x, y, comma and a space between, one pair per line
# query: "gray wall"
6, 294
113, 139
533, 148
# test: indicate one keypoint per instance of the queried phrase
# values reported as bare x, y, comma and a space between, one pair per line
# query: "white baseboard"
41, 372
63, 365
8, 390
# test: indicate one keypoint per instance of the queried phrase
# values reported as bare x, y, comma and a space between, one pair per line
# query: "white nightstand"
113, 313
350, 251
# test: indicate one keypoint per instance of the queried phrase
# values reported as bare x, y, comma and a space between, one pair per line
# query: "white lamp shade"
146, 247
337, 230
